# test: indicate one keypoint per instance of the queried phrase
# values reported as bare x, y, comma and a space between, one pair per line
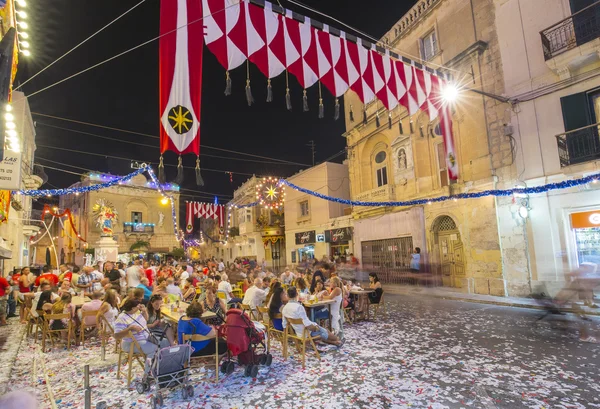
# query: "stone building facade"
141, 217
458, 239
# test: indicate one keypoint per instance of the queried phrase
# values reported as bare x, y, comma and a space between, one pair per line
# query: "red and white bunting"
196, 210
237, 30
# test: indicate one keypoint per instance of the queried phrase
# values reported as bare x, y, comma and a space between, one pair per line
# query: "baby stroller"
244, 340
169, 370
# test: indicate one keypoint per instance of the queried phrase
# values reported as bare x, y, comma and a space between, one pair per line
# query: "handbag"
151, 336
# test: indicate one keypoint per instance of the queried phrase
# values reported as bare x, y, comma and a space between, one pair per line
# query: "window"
443, 170
304, 209
245, 216
136, 217
429, 46
381, 169
382, 176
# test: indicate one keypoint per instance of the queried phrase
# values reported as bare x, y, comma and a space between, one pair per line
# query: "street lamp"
450, 92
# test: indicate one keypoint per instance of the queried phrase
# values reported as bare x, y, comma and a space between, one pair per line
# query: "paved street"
426, 353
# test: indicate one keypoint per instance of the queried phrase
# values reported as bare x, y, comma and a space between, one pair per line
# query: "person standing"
26, 279
415, 261
149, 273
134, 275
221, 266
48, 276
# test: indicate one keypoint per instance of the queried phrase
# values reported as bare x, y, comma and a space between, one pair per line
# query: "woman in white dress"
337, 295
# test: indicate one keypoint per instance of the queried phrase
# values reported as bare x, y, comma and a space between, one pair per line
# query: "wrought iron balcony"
140, 228
579, 145
574, 31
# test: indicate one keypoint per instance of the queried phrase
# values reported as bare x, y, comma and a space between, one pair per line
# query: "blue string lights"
495, 192
81, 189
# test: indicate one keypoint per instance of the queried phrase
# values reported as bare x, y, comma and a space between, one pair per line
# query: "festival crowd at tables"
129, 299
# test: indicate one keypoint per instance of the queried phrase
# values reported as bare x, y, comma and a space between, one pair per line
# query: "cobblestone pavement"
426, 353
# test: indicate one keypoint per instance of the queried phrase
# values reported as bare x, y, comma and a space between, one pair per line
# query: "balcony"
579, 145
575, 39
139, 229
381, 194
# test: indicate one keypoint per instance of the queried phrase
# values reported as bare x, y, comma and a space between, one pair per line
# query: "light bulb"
21, 3
12, 133
23, 34
8, 107
23, 24
10, 125
25, 44
22, 14
9, 117
26, 53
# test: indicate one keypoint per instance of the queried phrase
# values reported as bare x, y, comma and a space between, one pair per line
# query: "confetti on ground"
424, 354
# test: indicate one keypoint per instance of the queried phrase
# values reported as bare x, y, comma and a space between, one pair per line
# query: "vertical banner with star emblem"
180, 51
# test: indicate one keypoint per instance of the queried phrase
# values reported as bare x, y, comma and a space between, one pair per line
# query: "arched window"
381, 168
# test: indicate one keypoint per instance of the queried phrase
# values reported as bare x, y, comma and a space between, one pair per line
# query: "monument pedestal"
107, 249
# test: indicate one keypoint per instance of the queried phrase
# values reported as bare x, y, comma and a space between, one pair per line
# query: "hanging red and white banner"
196, 210
180, 50
237, 30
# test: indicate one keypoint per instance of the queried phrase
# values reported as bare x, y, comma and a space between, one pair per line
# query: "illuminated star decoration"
270, 193
180, 120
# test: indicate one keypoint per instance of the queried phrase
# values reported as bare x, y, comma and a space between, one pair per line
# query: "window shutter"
576, 111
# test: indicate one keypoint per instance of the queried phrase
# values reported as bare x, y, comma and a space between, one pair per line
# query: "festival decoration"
196, 210
5, 196
475, 195
270, 193
180, 66
105, 215
57, 215
277, 40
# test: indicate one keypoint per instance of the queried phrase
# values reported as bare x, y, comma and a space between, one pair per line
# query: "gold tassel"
227, 84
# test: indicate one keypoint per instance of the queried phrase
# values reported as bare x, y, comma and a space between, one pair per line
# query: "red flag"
180, 50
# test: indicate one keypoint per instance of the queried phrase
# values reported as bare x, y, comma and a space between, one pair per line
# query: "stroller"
169, 370
243, 341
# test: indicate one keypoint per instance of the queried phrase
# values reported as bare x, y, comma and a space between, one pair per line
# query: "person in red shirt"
48, 276
149, 273
4, 287
65, 273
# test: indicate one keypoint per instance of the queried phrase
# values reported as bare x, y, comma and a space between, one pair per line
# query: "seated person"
155, 323
293, 309
65, 287
93, 305
133, 320
276, 304
192, 324
143, 285
375, 284
214, 304
172, 289
320, 292
189, 292
225, 287
133, 294
256, 295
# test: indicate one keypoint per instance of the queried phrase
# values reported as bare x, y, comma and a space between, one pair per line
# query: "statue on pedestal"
106, 216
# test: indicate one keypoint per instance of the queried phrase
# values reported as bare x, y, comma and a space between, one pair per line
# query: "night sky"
124, 94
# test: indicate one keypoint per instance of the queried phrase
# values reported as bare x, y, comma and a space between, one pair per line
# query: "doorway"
450, 249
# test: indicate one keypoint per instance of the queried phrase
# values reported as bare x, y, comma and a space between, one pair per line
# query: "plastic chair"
198, 337
48, 332
132, 356
301, 339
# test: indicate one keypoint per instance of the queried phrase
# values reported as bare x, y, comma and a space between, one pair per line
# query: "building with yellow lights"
144, 224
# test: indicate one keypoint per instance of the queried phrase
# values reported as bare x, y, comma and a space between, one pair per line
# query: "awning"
5, 251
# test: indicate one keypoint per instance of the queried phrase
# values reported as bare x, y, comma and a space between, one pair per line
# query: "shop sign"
338, 235
320, 238
306, 237
10, 171
584, 220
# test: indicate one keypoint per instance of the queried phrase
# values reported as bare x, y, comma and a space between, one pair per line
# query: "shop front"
306, 240
586, 231
339, 242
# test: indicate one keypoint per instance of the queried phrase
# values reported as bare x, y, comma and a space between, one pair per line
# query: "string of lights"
475, 195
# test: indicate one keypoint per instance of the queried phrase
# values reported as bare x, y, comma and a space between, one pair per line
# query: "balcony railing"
579, 145
575, 30
381, 194
145, 228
